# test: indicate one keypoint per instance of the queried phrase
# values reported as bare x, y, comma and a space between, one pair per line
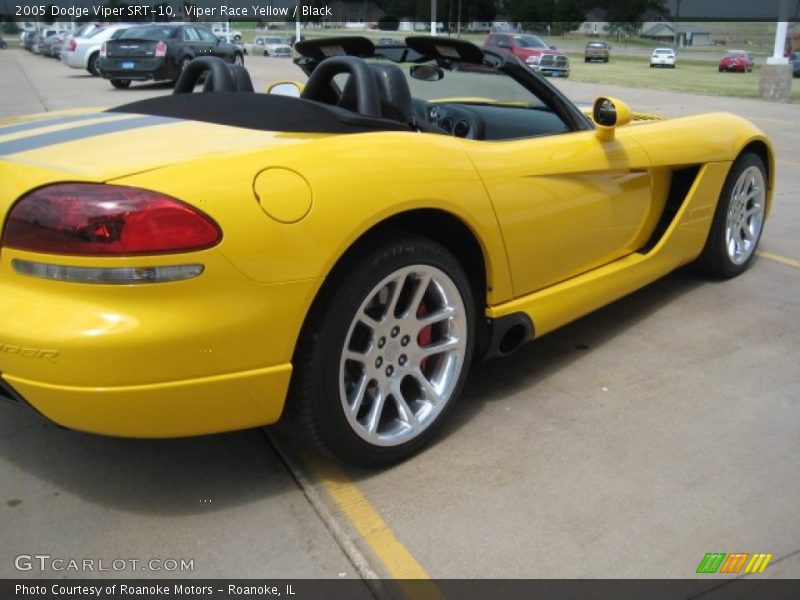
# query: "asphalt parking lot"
628, 444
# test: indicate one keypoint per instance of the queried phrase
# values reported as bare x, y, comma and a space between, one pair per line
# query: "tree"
479, 10
629, 11
559, 15
389, 23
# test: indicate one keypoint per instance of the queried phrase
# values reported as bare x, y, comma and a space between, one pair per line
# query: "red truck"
532, 50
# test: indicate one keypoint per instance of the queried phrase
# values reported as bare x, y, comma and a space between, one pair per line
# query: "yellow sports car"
203, 261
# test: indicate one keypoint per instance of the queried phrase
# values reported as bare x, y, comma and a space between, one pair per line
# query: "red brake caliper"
425, 335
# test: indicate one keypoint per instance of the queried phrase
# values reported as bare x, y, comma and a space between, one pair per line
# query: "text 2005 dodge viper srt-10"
201, 261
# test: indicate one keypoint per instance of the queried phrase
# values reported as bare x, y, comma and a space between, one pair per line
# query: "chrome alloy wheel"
402, 355
745, 215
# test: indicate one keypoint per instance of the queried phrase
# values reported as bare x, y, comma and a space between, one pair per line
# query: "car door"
566, 203
211, 44
192, 39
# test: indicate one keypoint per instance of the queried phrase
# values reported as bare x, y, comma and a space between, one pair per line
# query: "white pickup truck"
220, 29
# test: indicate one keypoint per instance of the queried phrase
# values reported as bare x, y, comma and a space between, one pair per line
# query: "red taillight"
161, 49
72, 45
103, 51
98, 219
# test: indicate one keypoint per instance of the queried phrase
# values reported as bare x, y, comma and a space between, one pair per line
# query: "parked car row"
126, 52
541, 57
734, 60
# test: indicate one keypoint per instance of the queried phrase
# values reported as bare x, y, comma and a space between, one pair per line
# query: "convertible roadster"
199, 262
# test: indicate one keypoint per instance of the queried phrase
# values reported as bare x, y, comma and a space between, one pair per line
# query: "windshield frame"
443, 51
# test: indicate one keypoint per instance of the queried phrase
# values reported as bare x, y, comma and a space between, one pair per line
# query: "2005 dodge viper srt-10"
343, 249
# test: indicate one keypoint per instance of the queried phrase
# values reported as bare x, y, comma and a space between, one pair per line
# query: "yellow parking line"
367, 521
779, 259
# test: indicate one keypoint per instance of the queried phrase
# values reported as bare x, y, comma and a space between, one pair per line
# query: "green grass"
697, 77
696, 71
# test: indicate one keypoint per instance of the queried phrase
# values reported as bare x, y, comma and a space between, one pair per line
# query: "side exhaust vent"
680, 184
507, 334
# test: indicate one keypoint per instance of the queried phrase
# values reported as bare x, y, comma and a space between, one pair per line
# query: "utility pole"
297, 23
433, 17
775, 82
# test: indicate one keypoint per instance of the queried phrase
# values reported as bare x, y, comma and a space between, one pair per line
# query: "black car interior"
375, 95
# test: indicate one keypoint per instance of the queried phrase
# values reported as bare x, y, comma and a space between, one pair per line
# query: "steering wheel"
318, 85
219, 78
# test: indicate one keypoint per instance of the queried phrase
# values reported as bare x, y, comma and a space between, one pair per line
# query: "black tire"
121, 84
91, 66
181, 67
715, 259
586, 60
322, 376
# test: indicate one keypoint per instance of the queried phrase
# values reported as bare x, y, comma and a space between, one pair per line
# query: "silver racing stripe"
42, 140
9, 129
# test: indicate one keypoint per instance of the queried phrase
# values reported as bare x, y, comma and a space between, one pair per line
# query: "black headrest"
393, 92
396, 101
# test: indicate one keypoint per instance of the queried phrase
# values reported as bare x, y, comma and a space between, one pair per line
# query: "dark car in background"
26, 40
2, 44
794, 58
160, 52
597, 50
736, 61
532, 50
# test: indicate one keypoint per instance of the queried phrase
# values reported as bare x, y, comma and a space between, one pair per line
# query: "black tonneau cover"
263, 112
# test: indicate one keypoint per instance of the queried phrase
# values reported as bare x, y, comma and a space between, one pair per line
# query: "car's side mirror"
286, 88
552, 47
608, 114
426, 72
